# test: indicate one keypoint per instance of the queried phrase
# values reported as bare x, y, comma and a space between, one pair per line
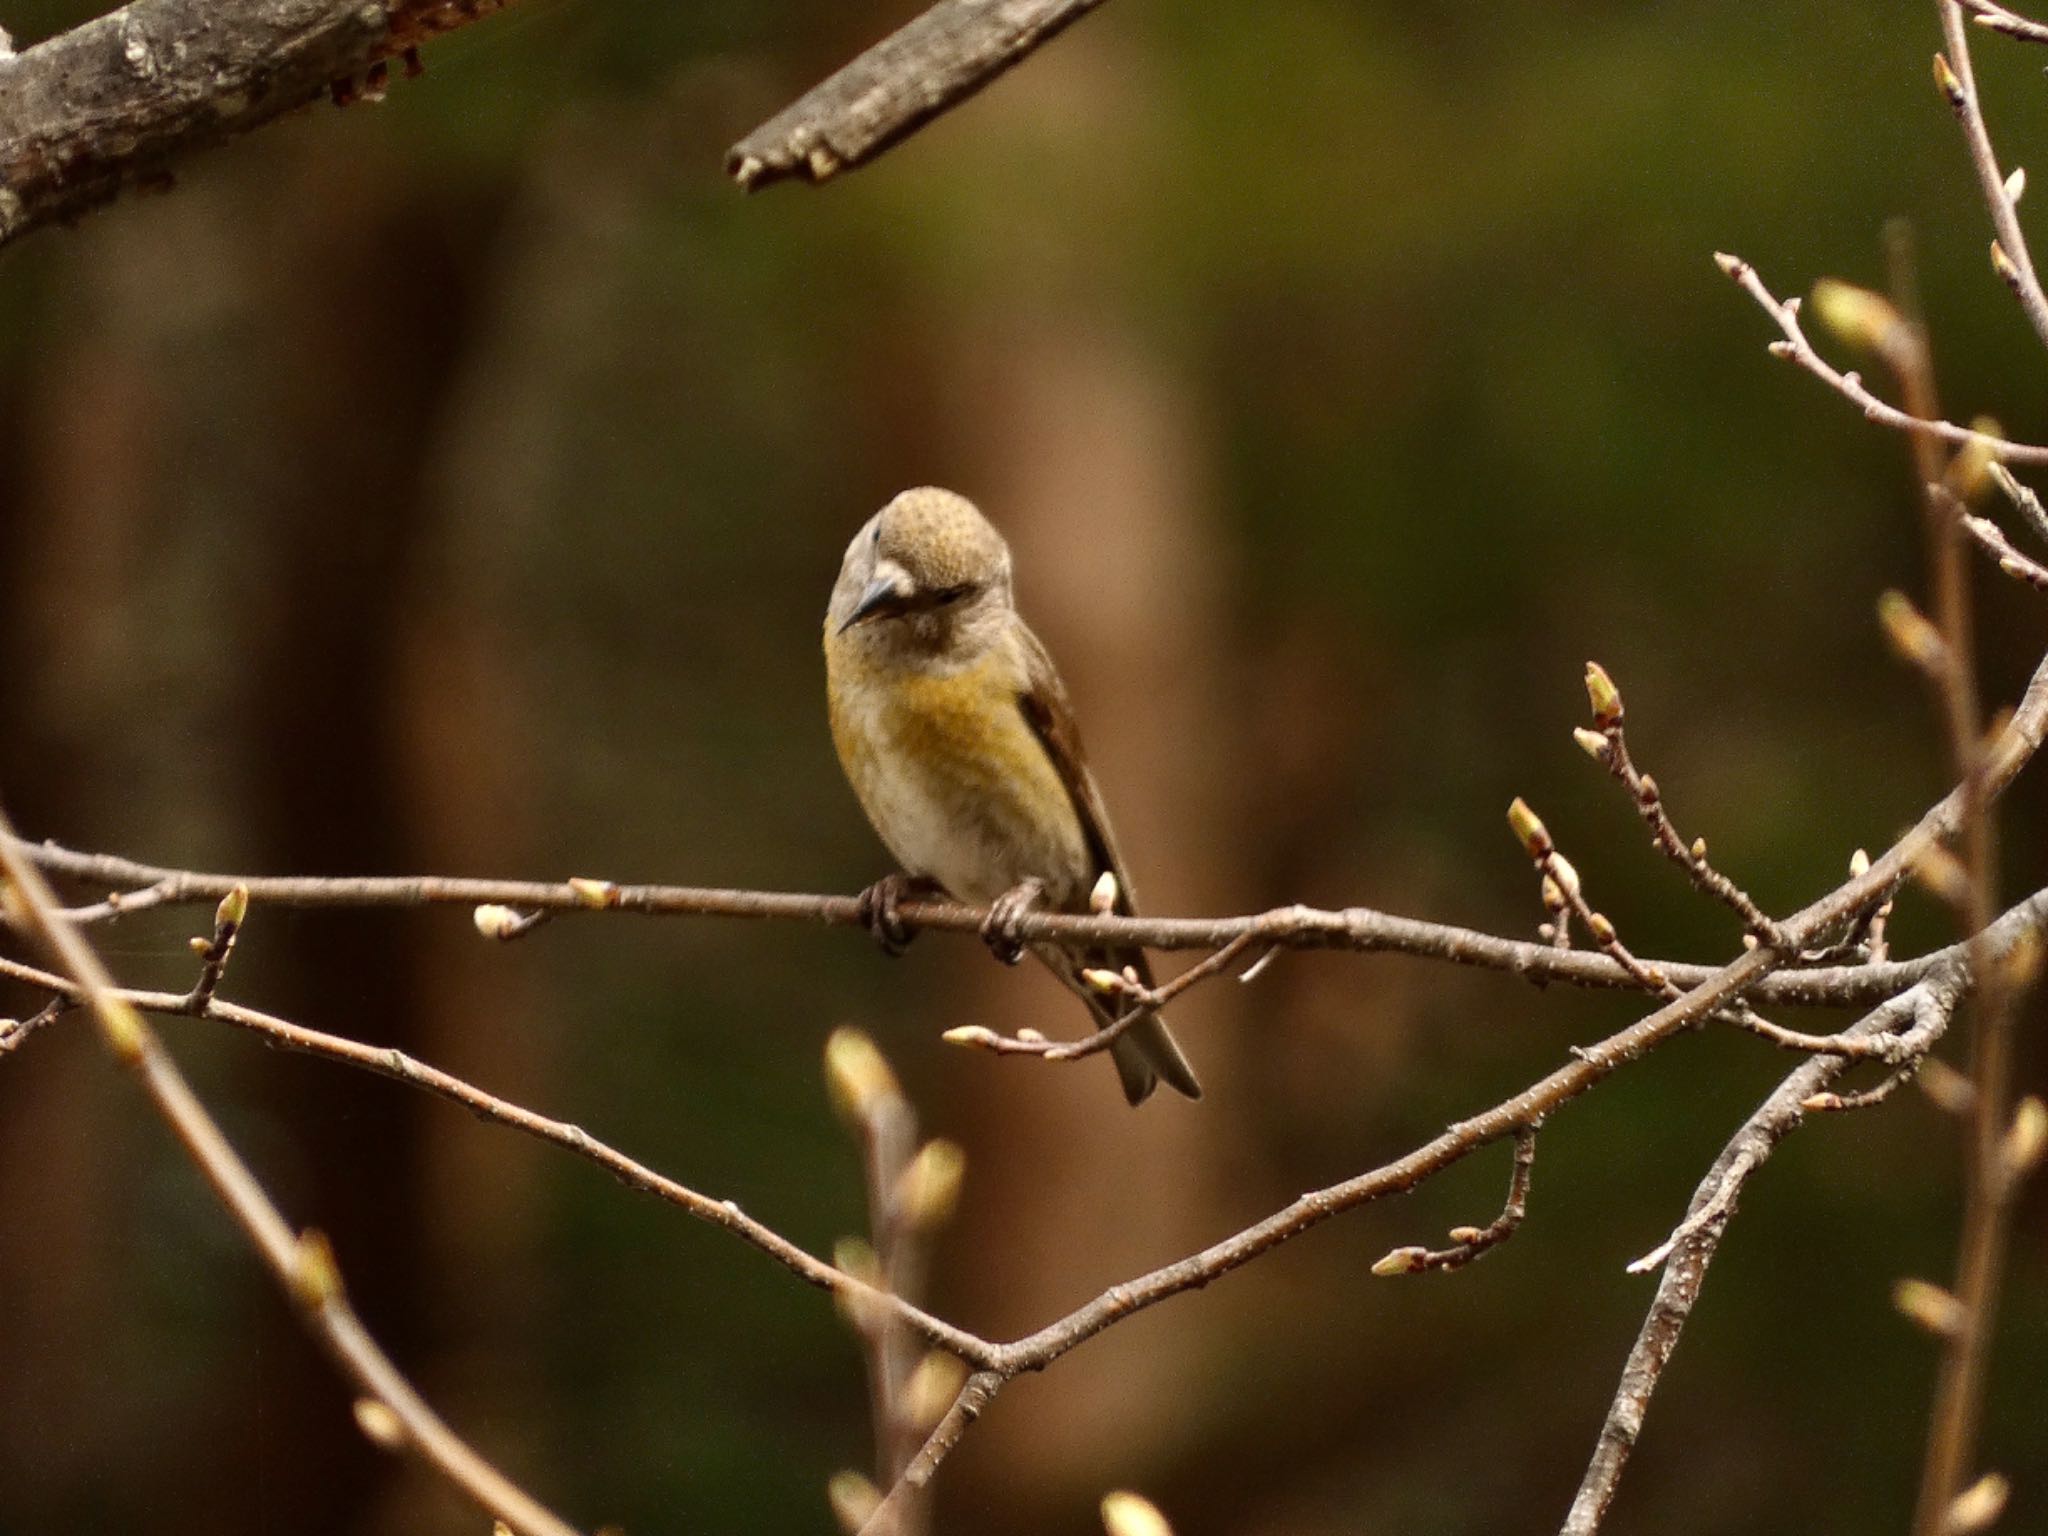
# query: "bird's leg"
878, 905
999, 929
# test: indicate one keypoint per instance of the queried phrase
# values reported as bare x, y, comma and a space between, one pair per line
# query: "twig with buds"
214, 952
301, 1261
1955, 76
1608, 746
1140, 1002
1794, 347
1564, 897
912, 1192
1468, 1243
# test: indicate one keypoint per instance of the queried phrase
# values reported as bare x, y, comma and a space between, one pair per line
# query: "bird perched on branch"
956, 734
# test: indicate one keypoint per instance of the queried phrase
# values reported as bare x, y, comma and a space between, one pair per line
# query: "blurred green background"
455, 484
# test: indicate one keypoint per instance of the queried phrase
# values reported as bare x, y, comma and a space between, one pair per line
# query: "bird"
957, 736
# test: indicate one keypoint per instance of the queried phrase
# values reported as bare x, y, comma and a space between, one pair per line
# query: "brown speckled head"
926, 574
941, 540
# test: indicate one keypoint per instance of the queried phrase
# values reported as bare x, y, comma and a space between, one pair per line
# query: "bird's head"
926, 575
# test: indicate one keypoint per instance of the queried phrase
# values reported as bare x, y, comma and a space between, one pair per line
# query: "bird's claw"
999, 928
878, 904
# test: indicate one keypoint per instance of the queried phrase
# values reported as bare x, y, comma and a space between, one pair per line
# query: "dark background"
455, 485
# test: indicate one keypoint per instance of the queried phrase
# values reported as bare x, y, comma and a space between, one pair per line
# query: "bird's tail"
1146, 1053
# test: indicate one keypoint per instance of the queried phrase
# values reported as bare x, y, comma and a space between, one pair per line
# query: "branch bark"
112, 105
897, 86
1359, 929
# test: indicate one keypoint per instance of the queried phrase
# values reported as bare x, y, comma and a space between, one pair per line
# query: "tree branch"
398, 1066
897, 86
1928, 1006
1957, 77
1795, 348
302, 1262
113, 104
1996, 18
1359, 929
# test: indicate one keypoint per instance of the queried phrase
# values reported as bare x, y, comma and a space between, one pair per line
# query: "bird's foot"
999, 928
878, 904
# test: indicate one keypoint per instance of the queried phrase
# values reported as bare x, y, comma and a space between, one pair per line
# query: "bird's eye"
947, 595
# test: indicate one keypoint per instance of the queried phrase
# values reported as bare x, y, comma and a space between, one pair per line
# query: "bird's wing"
1043, 699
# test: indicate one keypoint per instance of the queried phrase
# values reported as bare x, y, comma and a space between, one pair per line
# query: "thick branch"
112, 104
897, 86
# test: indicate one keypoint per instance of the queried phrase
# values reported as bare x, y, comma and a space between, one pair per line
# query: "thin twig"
1609, 715
1996, 18
1469, 1243
1143, 1002
301, 1262
1957, 78
397, 1065
975, 1394
14, 1033
1795, 348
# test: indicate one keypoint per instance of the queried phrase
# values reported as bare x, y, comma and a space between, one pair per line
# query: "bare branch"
1957, 78
1469, 1243
400, 1067
976, 1393
1609, 714
301, 1261
1692, 1246
1996, 18
1359, 929
1795, 348
115, 103
897, 86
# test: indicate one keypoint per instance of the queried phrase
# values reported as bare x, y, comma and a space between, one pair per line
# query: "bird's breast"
955, 781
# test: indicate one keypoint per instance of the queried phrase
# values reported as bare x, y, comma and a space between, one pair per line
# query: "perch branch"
896, 87
1360, 929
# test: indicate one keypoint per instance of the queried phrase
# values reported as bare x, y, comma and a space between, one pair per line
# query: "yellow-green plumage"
955, 781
